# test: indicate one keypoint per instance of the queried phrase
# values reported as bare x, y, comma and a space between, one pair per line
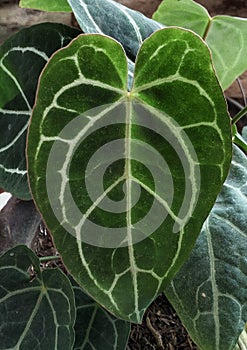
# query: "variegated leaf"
209, 292
124, 220
22, 58
37, 308
95, 328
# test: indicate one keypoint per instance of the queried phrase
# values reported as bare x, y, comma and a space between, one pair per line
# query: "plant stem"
239, 115
49, 258
239, 141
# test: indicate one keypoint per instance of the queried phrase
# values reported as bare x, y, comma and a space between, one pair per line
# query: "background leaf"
108, 17
46, 5
184, 13
37, 309
242, 341
209, 292
58, 161
22, 57
19, 221
226, 36
95, 328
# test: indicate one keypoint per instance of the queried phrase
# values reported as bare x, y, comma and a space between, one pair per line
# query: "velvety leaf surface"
95, 328
209, 292
22, 57
37, 309
226, 36
46, 5
19, 221
126, 221
108, 17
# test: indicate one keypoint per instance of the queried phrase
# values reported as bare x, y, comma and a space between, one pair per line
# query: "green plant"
119, 112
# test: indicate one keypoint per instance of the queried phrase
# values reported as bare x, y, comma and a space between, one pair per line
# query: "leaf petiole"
239, 115
49, 258
239, 141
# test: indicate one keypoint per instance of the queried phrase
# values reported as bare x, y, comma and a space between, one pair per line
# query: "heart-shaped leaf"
209, 292
226, 36
35, 311
95, 328
22, 57
125, 180
46, 5
108, 17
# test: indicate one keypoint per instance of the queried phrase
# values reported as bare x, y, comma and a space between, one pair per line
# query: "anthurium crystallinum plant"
120, 135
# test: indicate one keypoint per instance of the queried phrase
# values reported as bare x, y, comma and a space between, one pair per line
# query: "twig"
156, 334
242, 90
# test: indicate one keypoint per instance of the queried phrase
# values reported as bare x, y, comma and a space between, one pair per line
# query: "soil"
161, 328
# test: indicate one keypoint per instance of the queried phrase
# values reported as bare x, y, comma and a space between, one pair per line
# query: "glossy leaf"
126, 223
19, 221
22, 57
95, 328
209, 292
184, 13
47, 5
226, 36
37, 309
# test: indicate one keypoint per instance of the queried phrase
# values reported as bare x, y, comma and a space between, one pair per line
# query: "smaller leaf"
183, 13
38, 311
95, 328
46, 5
19, 221
209, 292
22, 58
242, 341
226, 36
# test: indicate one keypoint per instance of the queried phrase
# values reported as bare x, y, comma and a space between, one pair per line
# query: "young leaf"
35, 311
47, 5
209, 292
125, 180
95, 328
22, 57
19, 221
226, 36
183, 13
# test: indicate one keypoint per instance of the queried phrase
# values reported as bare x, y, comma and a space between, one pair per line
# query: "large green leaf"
22, 57
95, 328
37, 309
125, 180
46, 5
226, 36
209, 292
